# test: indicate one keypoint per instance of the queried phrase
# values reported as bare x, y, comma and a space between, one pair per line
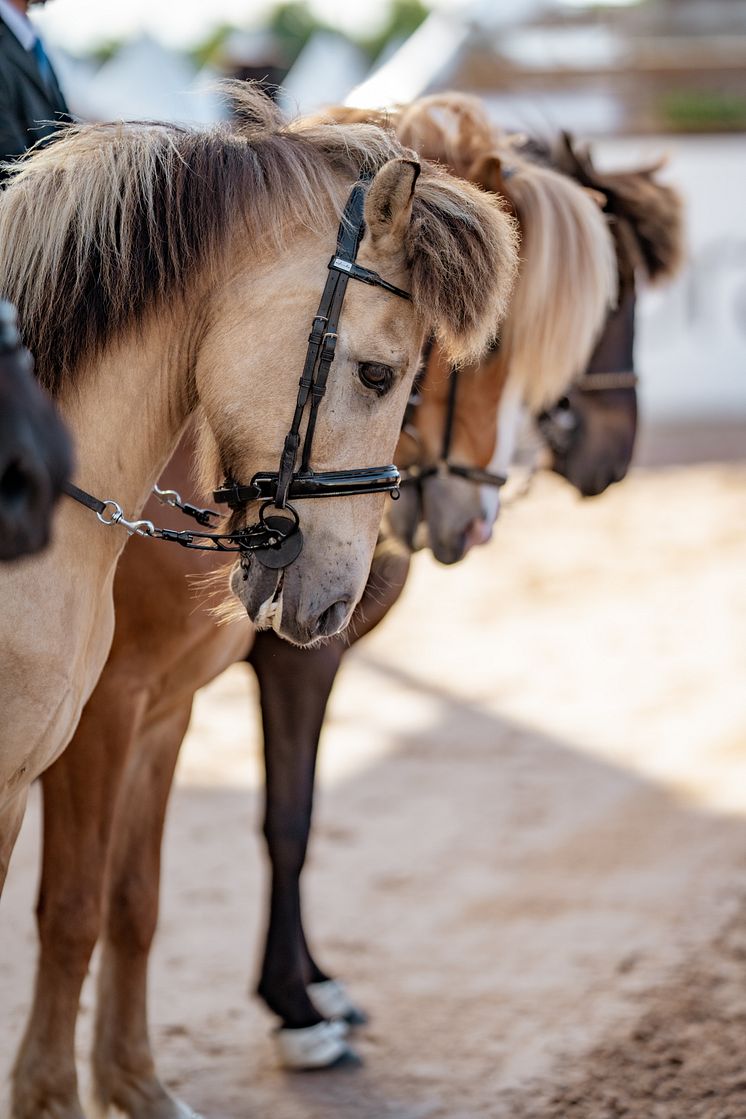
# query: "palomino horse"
144, 698
35, 451
256, 172
161, 272
566, 283
591, 431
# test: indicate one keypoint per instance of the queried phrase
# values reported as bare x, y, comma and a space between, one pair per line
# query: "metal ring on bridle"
116, 515
295, 519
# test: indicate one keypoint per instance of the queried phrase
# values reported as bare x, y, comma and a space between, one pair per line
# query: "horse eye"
380, 378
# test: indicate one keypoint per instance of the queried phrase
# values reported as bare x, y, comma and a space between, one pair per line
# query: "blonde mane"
568, 273
110, 221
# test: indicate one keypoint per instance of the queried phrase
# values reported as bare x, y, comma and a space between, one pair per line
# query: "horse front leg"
295, 685
79, 792
294, 688
124, 1074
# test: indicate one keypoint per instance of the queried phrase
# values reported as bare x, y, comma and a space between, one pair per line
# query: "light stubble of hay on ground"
529, 863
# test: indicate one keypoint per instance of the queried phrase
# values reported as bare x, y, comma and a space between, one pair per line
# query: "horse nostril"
17, 484
333, 618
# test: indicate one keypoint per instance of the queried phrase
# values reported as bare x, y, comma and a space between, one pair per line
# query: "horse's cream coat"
238, 357
56, 612
232, 350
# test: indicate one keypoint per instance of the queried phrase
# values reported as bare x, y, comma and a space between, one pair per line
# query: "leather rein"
276, 538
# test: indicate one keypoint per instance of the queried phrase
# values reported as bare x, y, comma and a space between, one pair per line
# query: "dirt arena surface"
530, 859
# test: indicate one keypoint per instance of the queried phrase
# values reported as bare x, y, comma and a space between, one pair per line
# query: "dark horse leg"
295, 685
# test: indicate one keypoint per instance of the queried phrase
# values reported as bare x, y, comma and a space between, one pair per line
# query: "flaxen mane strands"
567, 277
112, 221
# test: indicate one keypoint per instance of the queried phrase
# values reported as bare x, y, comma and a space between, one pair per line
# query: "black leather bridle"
276, 539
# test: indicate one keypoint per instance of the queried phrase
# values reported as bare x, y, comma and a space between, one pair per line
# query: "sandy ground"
530, 860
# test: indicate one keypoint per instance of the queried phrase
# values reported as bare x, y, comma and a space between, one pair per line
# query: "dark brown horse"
35, 449
591, 431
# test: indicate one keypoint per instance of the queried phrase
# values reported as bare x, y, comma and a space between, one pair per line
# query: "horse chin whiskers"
269, 614
421, 539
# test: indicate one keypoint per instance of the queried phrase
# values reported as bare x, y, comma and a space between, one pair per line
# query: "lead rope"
110, 512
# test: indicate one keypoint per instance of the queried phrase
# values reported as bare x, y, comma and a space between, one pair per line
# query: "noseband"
276, 539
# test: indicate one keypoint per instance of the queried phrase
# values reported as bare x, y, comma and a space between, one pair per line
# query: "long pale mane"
110, 221
567, 277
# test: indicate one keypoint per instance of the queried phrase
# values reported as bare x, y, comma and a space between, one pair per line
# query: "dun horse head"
201, 255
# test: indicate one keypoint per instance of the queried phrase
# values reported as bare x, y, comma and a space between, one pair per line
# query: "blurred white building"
144, 81
324, 72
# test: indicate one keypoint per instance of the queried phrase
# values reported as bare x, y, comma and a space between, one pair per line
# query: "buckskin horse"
35, 449
143, 701
148, 264
180, 272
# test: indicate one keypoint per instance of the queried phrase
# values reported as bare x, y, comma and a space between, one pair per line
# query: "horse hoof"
321, 1046
167, 1107
332, 1001
185, 1111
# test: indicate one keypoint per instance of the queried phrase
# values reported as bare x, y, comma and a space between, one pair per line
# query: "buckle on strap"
235, 496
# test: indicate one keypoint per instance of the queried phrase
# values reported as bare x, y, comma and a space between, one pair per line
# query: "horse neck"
129, 412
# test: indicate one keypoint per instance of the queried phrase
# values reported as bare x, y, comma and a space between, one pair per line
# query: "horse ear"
487, 172
388, 203
598, 196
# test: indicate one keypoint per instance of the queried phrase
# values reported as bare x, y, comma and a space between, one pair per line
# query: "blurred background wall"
640, 78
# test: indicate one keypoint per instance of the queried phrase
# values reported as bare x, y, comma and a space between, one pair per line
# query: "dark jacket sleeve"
13, 140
